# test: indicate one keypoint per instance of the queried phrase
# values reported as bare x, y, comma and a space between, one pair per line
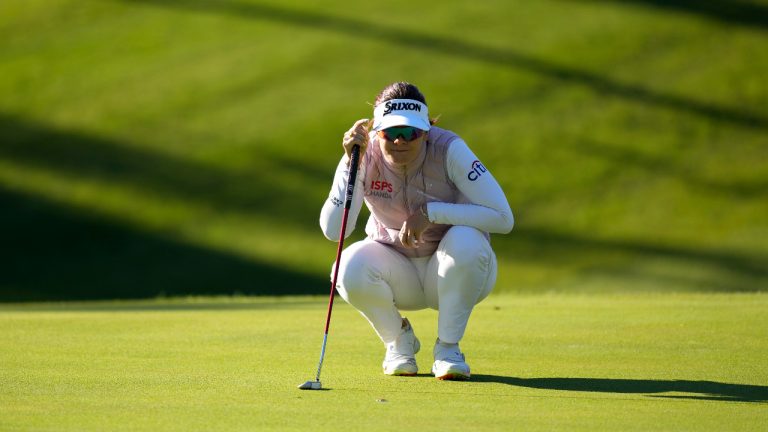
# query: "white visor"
401, 112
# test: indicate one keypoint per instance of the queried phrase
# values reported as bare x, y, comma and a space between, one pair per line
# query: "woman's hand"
413, 228
356, 135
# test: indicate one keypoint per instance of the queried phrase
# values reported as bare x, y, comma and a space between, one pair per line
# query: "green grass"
174, 148
540, 362
630, 138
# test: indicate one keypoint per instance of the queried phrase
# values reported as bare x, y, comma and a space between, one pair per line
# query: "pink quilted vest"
394, 193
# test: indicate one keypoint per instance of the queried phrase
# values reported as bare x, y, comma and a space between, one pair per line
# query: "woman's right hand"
356, 135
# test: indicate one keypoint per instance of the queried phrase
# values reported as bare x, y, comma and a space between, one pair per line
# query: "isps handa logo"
380, 188
477, 170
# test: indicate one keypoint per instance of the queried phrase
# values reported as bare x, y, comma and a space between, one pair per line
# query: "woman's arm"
333, 209
488, 209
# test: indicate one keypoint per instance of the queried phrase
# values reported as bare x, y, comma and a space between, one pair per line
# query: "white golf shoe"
449, 362
400, 358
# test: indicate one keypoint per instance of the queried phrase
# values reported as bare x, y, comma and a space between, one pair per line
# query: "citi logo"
477, 170
401, 106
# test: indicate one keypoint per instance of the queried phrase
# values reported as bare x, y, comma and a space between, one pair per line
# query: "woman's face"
402, 151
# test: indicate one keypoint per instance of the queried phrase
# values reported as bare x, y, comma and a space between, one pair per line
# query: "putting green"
540, 362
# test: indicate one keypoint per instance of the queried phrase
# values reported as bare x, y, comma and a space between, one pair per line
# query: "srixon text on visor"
401, 106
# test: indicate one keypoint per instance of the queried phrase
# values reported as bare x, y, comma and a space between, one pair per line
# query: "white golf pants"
379, 282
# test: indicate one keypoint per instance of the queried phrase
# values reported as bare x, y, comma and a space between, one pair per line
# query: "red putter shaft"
353, 166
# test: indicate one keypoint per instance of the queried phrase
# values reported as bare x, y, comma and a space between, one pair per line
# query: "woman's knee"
467, 249
466, 266
359, 272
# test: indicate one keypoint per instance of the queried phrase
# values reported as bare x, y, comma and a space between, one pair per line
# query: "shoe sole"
453, 377
396, 373
401, 372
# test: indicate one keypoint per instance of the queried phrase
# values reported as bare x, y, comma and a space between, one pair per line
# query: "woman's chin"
398, 158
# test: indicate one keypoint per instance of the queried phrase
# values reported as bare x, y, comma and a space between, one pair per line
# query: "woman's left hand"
412, 229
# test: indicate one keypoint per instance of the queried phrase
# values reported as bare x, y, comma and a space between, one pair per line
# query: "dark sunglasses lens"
409, 133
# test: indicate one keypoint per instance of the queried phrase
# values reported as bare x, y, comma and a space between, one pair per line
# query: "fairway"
195, 140
540, 362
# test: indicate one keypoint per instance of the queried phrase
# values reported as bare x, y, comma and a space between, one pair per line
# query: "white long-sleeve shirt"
449, 164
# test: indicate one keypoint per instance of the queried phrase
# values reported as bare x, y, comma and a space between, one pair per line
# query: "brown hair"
400, 90
403, 90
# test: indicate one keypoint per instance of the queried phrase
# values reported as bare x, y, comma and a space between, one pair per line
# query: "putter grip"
353, 165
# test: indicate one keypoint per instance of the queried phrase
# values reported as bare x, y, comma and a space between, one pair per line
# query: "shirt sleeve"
333, 208
487, 210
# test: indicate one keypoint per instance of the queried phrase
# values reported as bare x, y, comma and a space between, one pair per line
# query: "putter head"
311, 385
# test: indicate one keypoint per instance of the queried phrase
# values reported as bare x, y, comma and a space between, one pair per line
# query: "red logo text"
381, 185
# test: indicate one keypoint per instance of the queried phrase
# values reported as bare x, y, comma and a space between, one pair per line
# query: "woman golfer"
432, 205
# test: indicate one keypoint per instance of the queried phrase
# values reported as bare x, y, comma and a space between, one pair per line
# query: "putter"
316, 384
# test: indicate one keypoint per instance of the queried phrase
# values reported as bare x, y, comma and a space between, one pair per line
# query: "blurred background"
185, 147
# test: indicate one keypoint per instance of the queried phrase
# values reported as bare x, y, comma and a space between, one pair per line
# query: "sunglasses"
409, 133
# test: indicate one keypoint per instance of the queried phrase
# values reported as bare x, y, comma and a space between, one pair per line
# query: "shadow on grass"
51, 252
195, 304
411, 39
722, 271
736, 12
257, 190
623, 157
701, 390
